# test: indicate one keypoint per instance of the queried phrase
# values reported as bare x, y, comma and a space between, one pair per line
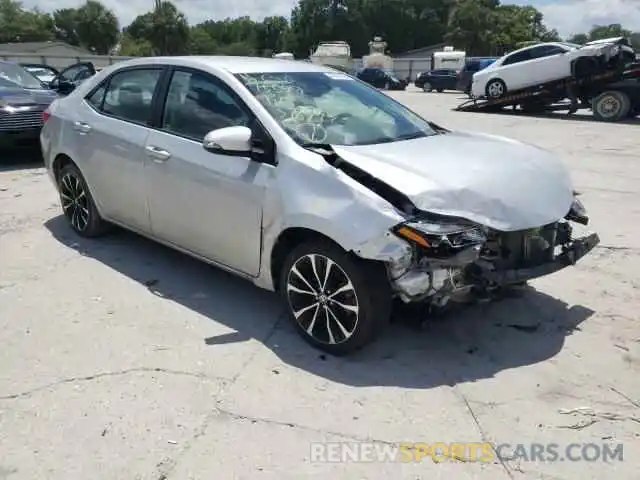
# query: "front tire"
77, 203
427, 87
495, 89
337, 302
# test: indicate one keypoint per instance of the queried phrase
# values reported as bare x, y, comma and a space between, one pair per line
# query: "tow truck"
612, 96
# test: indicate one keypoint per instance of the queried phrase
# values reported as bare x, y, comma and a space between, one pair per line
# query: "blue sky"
567, 16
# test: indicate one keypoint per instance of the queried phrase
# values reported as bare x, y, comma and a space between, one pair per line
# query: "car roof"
232, 64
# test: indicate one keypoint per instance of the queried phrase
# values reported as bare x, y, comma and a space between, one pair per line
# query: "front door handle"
82, 127
158, 154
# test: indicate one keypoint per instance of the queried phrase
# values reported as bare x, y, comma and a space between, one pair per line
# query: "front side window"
130, 93
333, 108
197, 103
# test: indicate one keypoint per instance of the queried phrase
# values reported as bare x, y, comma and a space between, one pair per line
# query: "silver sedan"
311, 183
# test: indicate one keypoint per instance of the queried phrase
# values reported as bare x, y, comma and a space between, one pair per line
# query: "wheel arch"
59, 162
286, 241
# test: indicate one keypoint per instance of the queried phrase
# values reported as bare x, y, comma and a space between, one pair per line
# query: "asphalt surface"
123, 360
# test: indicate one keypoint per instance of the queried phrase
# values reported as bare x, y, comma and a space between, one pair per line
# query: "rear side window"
129, 95
97, 97
517, 57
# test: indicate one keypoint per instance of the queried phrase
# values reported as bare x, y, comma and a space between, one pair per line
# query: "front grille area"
20, 120
522, 249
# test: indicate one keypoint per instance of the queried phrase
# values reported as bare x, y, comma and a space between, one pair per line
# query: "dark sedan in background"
439, 80
25, 93
381, 78
23, 99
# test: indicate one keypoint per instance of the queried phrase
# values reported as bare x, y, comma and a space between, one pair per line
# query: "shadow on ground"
471, 344
12, 159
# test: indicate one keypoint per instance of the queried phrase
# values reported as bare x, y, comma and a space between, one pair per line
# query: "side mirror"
229, 141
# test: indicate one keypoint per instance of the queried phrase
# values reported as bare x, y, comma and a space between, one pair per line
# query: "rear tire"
440, 90
316, 299
78, 205
611, 106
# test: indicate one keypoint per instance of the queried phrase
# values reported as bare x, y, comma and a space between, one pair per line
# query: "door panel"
207, 203
114, 123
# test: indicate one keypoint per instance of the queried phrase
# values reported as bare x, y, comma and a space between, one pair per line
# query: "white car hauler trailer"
611, 95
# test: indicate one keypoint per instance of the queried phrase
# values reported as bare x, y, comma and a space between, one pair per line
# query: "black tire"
370, 295
495, 89
440, 90
77, 203
427, 87
611, 106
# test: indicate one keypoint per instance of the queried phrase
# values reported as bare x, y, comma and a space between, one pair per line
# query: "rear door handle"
158, 154
82, 127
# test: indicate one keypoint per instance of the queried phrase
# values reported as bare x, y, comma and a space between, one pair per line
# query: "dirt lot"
124, 360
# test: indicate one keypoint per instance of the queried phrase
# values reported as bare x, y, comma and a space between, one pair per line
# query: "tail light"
46, 115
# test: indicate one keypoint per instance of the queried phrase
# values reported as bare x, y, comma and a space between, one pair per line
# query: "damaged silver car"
311, 183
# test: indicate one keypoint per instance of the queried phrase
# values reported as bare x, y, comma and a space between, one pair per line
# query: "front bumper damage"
415, 277
574, 252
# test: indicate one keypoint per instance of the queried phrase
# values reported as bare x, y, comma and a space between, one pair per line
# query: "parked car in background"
439, 80
380, 78
308, 182
46, 73
69, 78
472, 65
23, 99
546, 62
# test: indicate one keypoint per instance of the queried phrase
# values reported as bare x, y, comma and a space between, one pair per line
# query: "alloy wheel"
323, 299
75, 202
495, 89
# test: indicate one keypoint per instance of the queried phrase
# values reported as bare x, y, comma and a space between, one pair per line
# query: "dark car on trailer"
24, 97
439, 80
381, 78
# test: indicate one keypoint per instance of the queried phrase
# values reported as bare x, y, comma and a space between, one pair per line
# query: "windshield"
333, 108
16, 75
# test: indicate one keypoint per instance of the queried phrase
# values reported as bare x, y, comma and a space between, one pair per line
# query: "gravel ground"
123, 360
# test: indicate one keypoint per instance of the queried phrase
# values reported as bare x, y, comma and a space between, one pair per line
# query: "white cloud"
567, 16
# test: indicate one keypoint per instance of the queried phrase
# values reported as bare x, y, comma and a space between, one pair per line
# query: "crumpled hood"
494, 181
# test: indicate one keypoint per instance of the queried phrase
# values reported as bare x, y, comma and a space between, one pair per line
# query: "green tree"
97, 27
579, 38
20, 25
65, 25
272, 34
165, 29
201, 43
599, 32
131, 47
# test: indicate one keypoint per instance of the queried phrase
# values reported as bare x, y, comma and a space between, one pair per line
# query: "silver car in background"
311, 183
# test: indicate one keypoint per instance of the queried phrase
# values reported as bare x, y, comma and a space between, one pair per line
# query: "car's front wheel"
337, 302
495, 89
77, 203
427, 87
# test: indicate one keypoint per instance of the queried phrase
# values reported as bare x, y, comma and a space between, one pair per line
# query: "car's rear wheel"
495, 89
77, 203
338, 302
440, 90
427, 87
